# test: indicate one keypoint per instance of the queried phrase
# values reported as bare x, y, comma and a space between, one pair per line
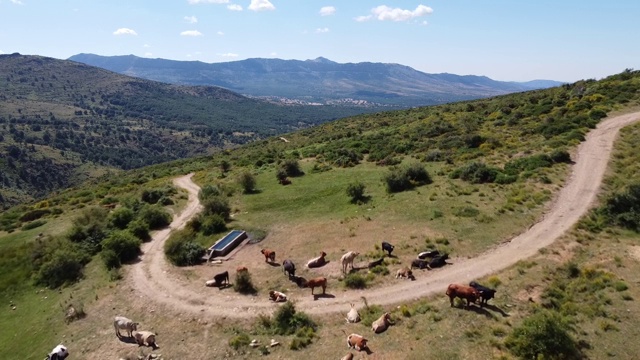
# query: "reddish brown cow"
241, 269
358, 342
463, 292
317, 282
269, 255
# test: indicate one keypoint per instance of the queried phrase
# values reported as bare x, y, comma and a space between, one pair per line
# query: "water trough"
224, 246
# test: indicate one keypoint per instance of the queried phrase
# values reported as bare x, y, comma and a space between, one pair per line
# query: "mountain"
62, 122
319, 80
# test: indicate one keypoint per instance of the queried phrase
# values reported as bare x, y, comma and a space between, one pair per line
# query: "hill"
62, 121
319, 80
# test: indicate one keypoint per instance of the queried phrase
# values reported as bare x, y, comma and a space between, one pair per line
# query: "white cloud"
261, 5
327, 10
274, 54
125, 31
322, 30
17, 2
229, 55
148, 54
220, 33
191, 19
234, 7
191, 33
384, 13
193, 2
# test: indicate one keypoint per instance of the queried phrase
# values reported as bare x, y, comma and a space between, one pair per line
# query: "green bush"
181, 250
239, 341
243, 283
208, 191
123, 244
110, 259
355, 281
291, 167
155, 216
32, 225
64, 266
304, 337
396, 181
417, 174
543, 335
287, 321
121, 217
217, 205
355, 191
622, 208
476, 173
140, 229
212, 224
247, 181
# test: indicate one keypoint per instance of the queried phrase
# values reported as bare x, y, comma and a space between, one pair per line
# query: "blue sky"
512, 40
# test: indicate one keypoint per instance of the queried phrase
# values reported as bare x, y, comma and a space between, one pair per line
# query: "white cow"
123, 323
58, 353
347, 259
353, 316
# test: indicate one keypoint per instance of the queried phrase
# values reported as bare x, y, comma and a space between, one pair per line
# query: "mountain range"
319, 80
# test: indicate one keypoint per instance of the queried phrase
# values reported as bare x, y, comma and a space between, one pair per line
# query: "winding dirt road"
151, 278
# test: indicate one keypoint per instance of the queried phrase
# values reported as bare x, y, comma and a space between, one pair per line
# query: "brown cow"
317, 262
382, 323
463, 292
269, 255
317, 282
405, 272
241, 269
358, 342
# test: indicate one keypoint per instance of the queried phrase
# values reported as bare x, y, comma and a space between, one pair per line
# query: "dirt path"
151, 278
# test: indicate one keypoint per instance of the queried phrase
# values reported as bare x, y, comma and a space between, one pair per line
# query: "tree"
355, 190
247, 181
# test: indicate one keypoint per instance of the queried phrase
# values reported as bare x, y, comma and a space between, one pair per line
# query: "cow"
347, 259
143, 337
317, 262
123, 323
349, 356
59, 352
387, 247
428, 254
438, 261
463, 292
382, 323
277, 296
358, 342
221, 278
419, 264
405, 272
375, 263
269, 255
317, 282
240, 269
353, 316
486, 293
289, 268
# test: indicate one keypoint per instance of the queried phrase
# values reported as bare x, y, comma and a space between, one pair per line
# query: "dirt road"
151, 278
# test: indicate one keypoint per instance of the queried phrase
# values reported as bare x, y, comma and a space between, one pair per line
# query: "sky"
508, 40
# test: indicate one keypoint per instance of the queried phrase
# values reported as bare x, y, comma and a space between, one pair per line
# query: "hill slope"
319, 80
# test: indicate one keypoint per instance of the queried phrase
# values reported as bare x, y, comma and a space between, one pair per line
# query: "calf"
438, 261
221, 278
405, 272
358, 342
289, 268
486, 293
269, 255
317, 262
382, 323
58, 353
123, 323
419, 264
317, 282
347, 259
240, 269
277, 296
387, 247
463, 292
428, 254
143, 337
375, 263
353, 316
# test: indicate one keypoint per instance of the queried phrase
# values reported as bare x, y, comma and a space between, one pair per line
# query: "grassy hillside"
62, 122
492, 165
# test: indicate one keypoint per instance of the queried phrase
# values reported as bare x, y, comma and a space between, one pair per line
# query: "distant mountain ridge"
319, 80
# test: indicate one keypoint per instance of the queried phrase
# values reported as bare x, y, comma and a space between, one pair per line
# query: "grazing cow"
221, 278
59, 352
382, 323
353, 316
387, 247
438, 261
428, 254
277, 296
358, 342
269, 255
405, 272
486, 293
317, 282
289, 268
349, 356
463, 292
375, 263
317, 262
347, 259
420, 264
143, 337
122, 323
241, 269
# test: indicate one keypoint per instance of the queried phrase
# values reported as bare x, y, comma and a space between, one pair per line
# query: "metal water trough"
224, 246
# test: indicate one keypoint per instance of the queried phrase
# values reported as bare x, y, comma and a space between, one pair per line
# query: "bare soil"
153, 278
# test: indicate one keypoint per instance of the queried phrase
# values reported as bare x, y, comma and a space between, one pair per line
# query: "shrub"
291, 167
208, 191
560, 156
287, 321
140, 229
212, 224
417, 174
304, 336
155, 216
380, 270
543, 334
151, 196
396, 181
64, 266
182, 251
247, 181
239, 341
355, 191
355, 281
217, 205
110, 259
34, 214
32, 225
476, 173
622, 208
121, 217
123, 244
243, 283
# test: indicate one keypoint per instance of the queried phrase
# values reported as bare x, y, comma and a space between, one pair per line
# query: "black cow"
289, 268
428, 254
387, 247
375, 263
438, 261
222, 277
486, 293
419, 263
